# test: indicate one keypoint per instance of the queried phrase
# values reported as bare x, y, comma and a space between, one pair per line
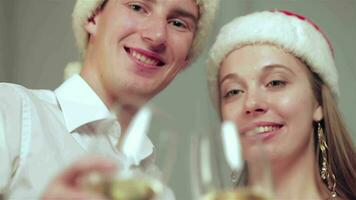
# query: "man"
132, 49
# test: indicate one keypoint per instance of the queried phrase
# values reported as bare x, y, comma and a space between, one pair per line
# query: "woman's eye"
276, 83
136, 8
231, 93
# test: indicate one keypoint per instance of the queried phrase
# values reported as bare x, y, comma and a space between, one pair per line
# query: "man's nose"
154, 32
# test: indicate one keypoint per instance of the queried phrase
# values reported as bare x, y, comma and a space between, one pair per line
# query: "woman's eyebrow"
229, 76
271, 67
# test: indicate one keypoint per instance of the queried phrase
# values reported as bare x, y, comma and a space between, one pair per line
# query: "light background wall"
36, 43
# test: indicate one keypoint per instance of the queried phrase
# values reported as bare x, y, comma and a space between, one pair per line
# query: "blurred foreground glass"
132, 181
220, 170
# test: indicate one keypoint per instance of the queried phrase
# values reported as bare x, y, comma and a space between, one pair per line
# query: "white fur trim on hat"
84, 9
298, 36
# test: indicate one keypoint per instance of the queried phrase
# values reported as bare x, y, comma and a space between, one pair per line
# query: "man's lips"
146, 58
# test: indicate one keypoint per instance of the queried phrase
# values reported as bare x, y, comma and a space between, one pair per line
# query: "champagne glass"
221, 170
139, 179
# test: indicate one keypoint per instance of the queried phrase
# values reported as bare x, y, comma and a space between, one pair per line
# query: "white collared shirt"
42, 132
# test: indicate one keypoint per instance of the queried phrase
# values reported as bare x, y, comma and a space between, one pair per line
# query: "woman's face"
267, 93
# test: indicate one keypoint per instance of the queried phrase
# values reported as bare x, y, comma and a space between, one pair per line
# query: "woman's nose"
255, 103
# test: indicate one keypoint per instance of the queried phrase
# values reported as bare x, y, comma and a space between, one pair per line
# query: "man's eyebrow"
181, 12
184, 13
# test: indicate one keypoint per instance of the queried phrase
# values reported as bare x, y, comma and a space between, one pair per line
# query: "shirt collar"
79, 103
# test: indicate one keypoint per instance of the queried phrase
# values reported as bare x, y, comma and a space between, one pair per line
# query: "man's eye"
178, 24
276, 83
231, 93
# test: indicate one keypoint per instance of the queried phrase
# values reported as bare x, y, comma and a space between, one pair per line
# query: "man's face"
137, 47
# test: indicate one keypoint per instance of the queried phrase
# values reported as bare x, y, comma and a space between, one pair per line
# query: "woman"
273, 74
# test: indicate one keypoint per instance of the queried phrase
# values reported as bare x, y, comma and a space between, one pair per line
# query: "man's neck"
124, 103
125, 115
89, 74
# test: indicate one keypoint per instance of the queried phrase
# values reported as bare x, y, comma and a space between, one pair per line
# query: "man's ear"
318, 113
185, 65
91, 25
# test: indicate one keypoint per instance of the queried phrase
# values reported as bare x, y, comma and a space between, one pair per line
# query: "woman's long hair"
341, 152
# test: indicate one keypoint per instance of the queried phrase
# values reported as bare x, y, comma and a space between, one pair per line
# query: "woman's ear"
318, 113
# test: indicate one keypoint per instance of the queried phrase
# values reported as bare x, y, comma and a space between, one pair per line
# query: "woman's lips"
263, 132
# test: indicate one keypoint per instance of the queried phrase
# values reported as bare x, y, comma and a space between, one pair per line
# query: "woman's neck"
298, 178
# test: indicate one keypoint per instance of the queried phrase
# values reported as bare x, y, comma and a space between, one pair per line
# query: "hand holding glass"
131, 182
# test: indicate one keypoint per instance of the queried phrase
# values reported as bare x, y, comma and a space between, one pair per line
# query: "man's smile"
145, 58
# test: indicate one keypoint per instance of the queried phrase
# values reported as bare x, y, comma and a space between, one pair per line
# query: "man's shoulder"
14, 94
11, 101
10, 86
10, 91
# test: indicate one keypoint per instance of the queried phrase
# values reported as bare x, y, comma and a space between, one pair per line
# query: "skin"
161, 30
264, 86
67, 184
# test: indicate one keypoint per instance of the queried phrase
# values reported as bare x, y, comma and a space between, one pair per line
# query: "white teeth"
263, 129
144, 59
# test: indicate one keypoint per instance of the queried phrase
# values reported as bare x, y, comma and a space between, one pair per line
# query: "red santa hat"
290, 31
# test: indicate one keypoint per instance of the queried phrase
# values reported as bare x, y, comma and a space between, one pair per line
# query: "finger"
60, 192
86, 165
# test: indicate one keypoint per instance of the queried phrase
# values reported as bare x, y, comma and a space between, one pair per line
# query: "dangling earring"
325, 171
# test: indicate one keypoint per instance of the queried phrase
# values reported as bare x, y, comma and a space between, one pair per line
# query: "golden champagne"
240, 194
124, 189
